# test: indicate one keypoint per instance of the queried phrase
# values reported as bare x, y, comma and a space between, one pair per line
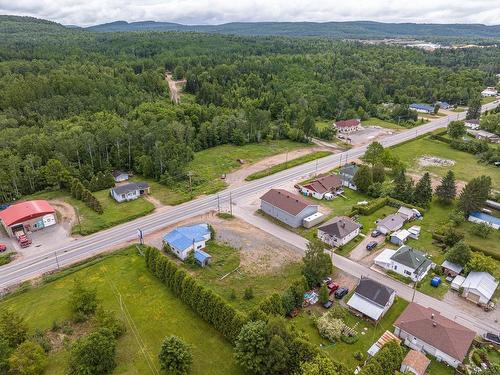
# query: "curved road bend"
91, 245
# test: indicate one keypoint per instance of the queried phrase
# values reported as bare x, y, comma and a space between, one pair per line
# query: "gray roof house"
479, 287
390, 223
410, 263
451, 269
119, 176
288, 208
338, 231
371, 298
347, 173
130, 191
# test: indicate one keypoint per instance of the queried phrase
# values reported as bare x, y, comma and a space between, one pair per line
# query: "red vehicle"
3, 247
23, 239
332, 287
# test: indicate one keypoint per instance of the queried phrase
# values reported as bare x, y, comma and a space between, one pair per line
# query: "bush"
248, 294
329, 327
349, 339
107, 319
41, 339
358, 355
175, 356
482, 230
27, 359
93, 354
82, 302
476, 358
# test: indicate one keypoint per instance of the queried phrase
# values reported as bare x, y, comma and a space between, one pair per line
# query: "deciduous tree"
317, 263
175, 356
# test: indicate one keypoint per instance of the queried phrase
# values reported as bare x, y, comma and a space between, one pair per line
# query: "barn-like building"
27, 216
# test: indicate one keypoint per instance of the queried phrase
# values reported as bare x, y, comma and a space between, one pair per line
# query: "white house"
371, 299
339, 231
472, 124
348, 126
120, 176
130, 191
405, 261
400, 237
183, 240
489, 91
426, 330
323, 185
479, 287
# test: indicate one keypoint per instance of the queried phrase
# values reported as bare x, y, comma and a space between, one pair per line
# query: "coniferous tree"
447, 190
474, 110
422, 195
474, 194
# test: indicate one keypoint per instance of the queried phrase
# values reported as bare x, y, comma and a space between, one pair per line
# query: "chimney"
434, 324
432, 316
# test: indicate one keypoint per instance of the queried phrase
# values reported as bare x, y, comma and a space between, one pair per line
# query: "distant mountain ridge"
352, 29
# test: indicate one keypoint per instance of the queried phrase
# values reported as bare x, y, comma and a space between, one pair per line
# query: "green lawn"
488, 99
155, 312
459, 109
114, 213
341, 351
437, 292
466, 165
439, 368
226, 259
382, 123
165, 195
289, 164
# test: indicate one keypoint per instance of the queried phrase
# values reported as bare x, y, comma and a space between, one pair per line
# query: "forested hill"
87, 102
354, 30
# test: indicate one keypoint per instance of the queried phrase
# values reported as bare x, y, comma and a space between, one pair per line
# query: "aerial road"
102, 241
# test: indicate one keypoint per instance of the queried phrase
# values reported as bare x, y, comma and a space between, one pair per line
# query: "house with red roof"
348, 126
426, 330
321, 186
27, 216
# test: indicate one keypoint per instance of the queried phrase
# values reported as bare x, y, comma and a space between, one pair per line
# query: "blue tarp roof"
201, 256
183, 237
485, 217
425, 107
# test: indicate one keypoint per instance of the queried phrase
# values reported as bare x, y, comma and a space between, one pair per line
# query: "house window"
123, 195
395, 267
407, 273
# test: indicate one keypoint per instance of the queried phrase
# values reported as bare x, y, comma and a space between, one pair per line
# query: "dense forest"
98, 101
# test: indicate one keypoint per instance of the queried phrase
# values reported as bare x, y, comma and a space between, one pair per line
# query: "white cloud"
90, 12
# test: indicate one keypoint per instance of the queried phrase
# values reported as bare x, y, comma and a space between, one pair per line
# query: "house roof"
385, 256
483, 282
201, 256
325, 184
431, 327
127, 188
374, 291
406, 211
118, 173
348, 123
340, 226
472, 121
452, 266
402, 234
392, 222
348, 170
485, 217
182, 238
20, 212
417, 361
421, 106
386, 337
286, 201
411, 258
365, 306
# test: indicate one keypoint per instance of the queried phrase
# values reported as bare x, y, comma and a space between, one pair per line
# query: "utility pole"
190, 174
78, 218
316, 174
231, 203
218, 203
414, 290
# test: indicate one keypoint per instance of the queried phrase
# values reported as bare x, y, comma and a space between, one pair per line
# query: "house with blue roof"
423, 108
183, 240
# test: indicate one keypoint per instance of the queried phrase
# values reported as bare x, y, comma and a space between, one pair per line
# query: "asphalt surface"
100, 242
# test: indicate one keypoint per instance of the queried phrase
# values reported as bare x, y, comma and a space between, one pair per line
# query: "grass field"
466, 165
382, 123
114, 213
488, 99
153, 309
226, 259
341, 351
290, 164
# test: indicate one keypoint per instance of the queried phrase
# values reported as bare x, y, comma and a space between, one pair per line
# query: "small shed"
415, 362
415, 231
400, 237
451, 269
384, 258
384, 339
202, 258
457, 282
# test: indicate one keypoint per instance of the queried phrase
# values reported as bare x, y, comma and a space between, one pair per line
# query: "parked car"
328, 304
376, 233
371, 245
491, 337
3, 247
341, 292
332, 287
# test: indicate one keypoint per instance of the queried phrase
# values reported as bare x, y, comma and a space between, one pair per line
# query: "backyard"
465, 168
152, 308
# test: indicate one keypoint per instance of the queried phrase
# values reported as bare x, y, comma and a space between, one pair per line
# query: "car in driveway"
491, 337
375, 233
3, 247
341, 292
328, 304
371, 245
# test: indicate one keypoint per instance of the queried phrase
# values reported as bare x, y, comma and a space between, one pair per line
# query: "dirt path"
67, 212
237, 178
173, 87
154, 201
435, 180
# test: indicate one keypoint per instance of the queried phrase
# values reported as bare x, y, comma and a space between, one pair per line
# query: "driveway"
360, 252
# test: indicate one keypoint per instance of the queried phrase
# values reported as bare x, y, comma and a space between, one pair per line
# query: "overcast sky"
91, 12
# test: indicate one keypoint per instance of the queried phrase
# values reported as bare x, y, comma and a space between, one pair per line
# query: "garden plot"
434, 161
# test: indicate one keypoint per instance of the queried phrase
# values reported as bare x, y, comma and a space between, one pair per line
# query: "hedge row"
439, 137
80, 192
378, 203
207, 304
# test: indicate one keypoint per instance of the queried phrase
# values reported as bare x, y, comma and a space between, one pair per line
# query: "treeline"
98, 102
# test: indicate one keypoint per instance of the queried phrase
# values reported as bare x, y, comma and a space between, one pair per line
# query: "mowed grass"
289, 164
90, 221
154, 310
340, 351
466, 165
382, 123
232, 288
